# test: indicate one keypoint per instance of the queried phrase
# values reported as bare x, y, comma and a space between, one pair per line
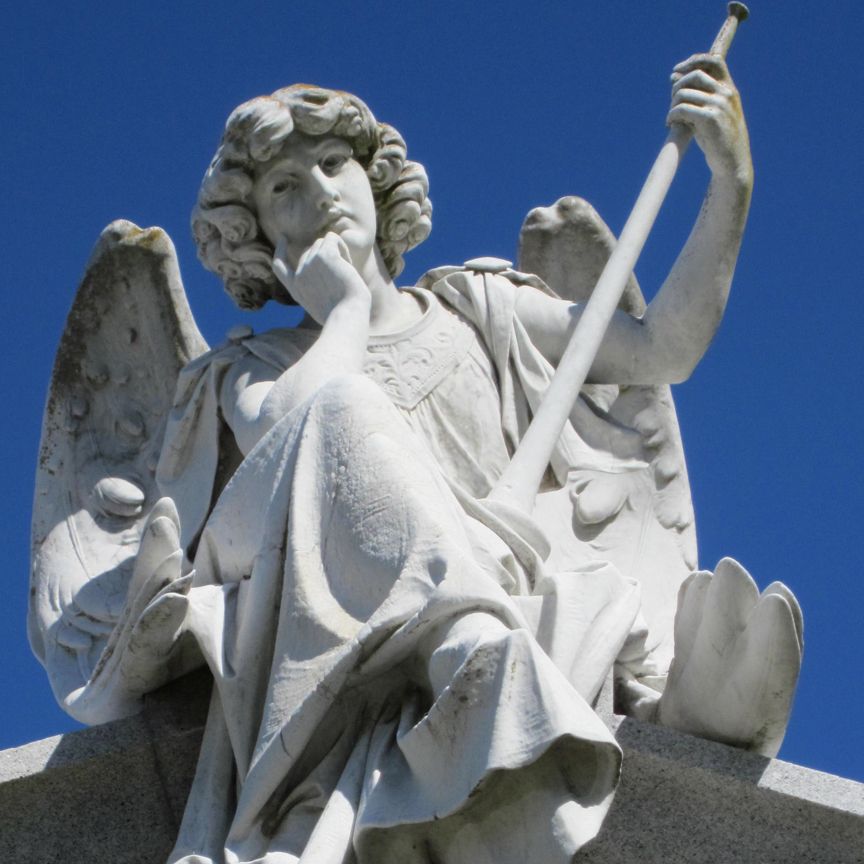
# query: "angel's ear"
567, 246
128, 334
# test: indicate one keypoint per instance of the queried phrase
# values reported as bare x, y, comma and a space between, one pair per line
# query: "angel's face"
313, 186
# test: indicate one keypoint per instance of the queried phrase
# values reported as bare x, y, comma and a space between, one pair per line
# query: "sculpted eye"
286, 184
331, 164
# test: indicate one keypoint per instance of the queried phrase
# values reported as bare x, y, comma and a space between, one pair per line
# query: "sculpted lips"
336, 220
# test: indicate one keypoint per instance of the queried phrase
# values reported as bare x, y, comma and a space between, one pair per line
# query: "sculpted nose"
325, 190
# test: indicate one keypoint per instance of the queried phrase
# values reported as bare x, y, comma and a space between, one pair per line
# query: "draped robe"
398, 676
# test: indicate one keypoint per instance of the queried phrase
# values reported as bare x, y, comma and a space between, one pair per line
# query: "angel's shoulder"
487, 271
243, 359
276, 349
281, 346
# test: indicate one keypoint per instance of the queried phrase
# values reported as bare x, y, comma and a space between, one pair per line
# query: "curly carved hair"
224, 222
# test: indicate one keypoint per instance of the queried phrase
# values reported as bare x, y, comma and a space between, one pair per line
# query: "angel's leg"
365, 589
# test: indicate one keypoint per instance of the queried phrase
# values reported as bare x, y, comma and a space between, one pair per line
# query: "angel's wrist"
352, 311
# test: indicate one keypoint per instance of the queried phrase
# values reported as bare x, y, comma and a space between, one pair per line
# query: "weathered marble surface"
406, 662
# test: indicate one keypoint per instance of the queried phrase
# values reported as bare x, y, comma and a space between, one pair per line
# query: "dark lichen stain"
123, 249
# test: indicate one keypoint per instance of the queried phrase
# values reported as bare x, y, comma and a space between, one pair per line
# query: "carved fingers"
705, 99
160, 557
325, 276
281, 268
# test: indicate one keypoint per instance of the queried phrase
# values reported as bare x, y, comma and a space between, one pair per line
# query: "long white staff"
521, 479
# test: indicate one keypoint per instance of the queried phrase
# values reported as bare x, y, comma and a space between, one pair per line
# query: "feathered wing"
637, 514
737, 660
128, 334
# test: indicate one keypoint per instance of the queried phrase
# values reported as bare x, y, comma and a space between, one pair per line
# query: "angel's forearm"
681, 321
339, 350
664, 346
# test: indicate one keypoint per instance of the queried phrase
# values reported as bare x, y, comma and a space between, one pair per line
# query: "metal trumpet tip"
739, 10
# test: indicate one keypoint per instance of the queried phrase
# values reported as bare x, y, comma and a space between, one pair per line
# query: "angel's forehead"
300, 149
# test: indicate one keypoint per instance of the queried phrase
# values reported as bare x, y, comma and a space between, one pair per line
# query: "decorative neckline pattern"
410, 363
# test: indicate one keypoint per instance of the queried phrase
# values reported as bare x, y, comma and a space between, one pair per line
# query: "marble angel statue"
402, 671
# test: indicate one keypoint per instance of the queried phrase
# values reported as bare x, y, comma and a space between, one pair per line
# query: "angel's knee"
352, 408
350, 390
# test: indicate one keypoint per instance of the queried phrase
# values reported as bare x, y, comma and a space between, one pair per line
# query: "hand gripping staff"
521, 479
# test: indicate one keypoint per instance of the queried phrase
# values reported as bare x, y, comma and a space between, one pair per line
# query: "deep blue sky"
113, 110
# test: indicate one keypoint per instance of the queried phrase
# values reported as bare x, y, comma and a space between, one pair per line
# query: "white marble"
405, 663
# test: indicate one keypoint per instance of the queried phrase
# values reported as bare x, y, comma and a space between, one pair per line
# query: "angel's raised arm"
666, 343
